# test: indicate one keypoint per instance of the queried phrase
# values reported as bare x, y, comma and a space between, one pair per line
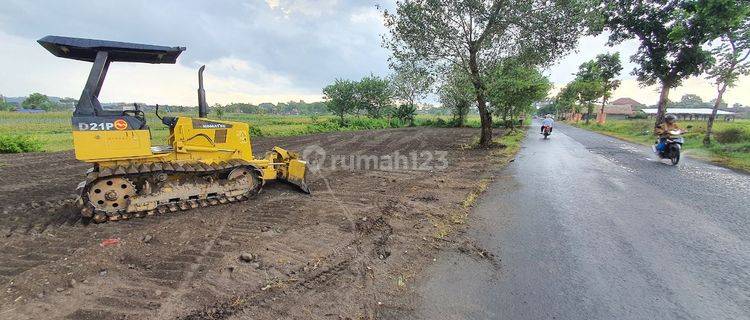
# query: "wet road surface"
590, 227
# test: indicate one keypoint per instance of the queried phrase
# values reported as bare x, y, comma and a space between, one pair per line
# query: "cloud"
293, 47
228, 79
255, 51
273, 4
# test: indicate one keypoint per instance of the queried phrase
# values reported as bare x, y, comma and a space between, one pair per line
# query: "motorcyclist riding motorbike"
547, 122
663, 131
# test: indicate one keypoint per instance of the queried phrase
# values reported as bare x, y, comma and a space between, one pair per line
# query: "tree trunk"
662, 105
601, 112
589, 111
485, 139
712, 117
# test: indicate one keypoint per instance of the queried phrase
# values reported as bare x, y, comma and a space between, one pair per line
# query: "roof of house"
618, 109
688, 111
626, 101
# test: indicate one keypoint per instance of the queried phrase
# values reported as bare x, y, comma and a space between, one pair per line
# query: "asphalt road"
590, 227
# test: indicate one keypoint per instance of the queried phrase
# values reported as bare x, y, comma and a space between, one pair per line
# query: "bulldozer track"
183, 203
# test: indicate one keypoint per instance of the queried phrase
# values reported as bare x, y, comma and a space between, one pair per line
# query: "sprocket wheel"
111, 194
249, 174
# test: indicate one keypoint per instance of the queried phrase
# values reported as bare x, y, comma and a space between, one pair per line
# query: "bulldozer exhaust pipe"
202, 105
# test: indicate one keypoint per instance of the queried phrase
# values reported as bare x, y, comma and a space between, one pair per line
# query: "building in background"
622, 108
694, 113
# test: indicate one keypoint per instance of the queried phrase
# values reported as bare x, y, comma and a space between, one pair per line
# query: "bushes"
367, 124
732, 135
329, 125
255, 131
639, 115
350, 124
442, 123
19, 144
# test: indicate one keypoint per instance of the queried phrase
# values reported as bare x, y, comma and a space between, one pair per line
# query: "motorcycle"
672, 147
546, 131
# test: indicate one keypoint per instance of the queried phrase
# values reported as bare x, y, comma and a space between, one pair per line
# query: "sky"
254, 50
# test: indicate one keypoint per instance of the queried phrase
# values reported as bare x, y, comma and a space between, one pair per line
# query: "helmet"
670, 118
548, 116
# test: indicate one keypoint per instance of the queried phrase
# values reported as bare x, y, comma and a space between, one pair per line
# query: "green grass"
511, 141
51, 131
735, 154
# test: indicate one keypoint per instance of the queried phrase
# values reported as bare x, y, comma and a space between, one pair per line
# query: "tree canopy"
341, 97
671, 40
457, 93
374, 96
475, 35
513, 87
728, 21
37, 101
410, 81
609, 67
596, 79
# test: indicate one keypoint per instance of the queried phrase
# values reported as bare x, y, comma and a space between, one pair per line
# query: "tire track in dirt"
176, 273
170, 278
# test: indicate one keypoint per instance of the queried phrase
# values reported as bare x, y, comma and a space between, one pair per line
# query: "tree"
588, 86
587, 92
244, 107
374, 96
37, 101
457, 93
473, 34
609, 67
219, 110
729, 20
548, 109
691, 101
410, 82
405, 113
512, 88
6, 106
340, 97
565, 101
671, 40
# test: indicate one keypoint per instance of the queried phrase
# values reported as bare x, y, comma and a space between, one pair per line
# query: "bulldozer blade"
293, 169
297, 174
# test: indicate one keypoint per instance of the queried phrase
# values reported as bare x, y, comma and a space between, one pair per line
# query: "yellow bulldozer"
205, 162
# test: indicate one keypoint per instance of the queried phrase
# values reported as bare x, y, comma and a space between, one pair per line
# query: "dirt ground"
347, 251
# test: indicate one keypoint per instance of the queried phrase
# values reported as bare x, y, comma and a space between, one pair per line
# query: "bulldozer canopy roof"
86, 50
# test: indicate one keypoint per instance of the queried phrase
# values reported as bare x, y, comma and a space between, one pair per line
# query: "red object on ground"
110, 242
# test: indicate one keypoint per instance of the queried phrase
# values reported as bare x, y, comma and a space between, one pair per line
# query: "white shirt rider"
548, 122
